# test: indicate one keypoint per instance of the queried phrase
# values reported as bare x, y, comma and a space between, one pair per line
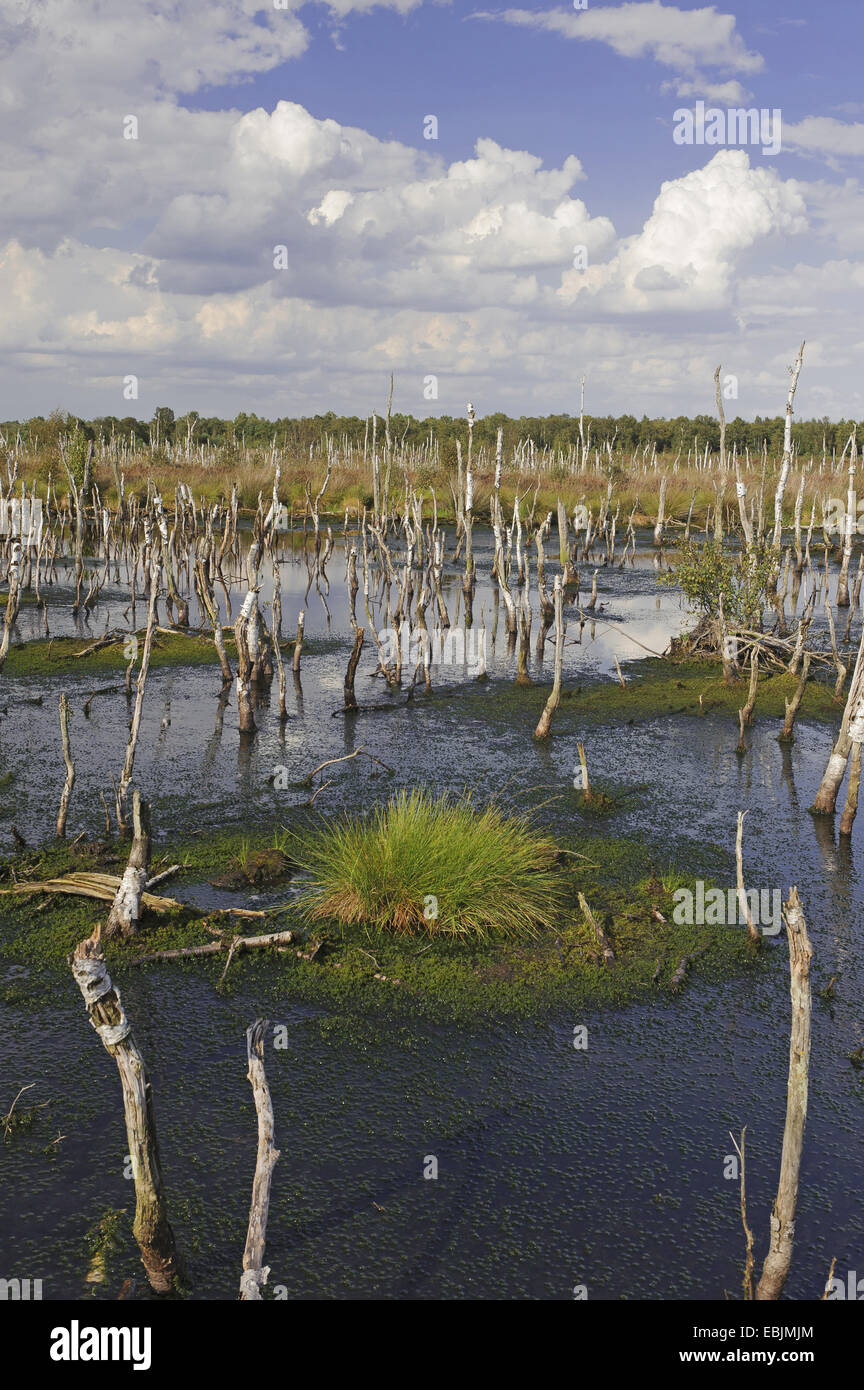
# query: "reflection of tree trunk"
779, 1258
152, 1229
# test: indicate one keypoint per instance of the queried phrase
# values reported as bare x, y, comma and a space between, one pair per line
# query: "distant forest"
550, 431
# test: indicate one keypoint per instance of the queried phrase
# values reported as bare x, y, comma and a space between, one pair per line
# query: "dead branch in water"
235, 944
358, 752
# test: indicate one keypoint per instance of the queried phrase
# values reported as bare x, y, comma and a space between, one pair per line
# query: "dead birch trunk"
298, 645
721, 485
754, 685
779, 1258
794, 372
12, 601
826, 796
126, 907
542, 730
151, 1228
128, 765
350, 697
65, 796
563, 542
255, 1272
752, 930
210, 606
788, 734
242, 629
661, 513
849, 523
850, 810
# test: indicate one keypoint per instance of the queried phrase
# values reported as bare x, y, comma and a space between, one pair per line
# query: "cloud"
155, 256
684, 258
681, 39
730, 93
826, 136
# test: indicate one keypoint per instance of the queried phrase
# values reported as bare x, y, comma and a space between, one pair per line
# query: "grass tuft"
434, 866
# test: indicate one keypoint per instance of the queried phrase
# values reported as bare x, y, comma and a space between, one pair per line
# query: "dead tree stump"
152, 1229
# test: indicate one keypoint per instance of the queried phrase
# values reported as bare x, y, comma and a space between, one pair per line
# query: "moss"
669, 687
62, 655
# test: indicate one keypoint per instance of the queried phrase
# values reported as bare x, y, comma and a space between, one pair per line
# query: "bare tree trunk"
788, 735
65, 716
298, 645
794, 372
721, 486
245, 711
210, 606
255, 1272
12, 601
779, 1258
126, 908
661, 513
350, 697
826, 797
849, 522
542, 730
151, 1229
754, 684
850, 810
752, 930
126, 775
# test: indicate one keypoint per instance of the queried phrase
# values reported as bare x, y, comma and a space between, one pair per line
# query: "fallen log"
104, 887
236, 945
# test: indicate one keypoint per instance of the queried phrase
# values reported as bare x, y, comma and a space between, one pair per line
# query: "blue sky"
445, 261
532, 90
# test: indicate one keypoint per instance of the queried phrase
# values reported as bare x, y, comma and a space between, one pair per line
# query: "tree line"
626, 433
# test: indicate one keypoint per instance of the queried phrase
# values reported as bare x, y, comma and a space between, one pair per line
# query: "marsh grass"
434, 866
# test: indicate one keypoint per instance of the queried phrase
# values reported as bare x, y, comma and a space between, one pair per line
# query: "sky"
233, 206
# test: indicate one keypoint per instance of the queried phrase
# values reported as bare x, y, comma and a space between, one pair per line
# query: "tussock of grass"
439, 867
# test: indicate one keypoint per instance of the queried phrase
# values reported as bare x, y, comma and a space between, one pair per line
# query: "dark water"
556, 1167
